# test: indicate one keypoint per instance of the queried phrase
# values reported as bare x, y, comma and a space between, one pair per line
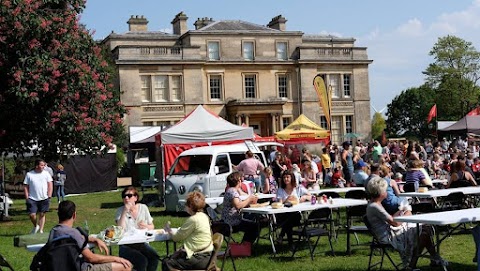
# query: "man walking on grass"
38, 188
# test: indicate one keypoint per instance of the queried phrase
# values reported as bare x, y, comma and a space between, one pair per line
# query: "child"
398, 177
270, 185
337, 178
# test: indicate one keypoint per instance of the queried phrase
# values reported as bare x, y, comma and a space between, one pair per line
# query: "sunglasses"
128, 195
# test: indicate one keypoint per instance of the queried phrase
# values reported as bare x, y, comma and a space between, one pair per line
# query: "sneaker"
41, 231
35, 229
438, 261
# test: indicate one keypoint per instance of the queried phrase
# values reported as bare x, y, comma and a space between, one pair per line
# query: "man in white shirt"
38, 188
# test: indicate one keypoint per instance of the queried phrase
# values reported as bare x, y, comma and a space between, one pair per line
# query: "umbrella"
352, 135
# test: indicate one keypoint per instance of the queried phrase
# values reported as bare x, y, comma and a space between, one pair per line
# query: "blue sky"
398, 34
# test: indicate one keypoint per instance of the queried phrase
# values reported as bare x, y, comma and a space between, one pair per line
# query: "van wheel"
222, 195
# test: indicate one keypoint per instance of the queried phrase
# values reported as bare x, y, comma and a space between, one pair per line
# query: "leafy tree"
454, 74
378, 125
55, 85
407, 113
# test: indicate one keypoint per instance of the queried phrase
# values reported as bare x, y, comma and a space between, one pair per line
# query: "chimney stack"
278, 23
202, 22
179, 24
137, 23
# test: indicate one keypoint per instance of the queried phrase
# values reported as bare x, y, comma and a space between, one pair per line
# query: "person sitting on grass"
92, 262
399, 235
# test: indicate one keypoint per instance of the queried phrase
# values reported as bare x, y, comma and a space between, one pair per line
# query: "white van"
205, 169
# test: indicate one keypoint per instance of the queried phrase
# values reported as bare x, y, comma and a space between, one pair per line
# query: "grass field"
99, 210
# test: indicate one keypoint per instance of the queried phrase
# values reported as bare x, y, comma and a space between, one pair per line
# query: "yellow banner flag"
324, 97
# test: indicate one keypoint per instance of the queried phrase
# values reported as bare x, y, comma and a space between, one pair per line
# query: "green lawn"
99, 209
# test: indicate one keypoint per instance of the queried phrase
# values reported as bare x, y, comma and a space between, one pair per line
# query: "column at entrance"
274, 124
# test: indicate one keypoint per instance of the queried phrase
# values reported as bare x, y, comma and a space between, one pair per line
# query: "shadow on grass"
111, 205
166, 213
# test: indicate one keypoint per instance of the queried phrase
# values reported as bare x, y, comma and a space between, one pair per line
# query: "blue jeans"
60, 192
257, 181
142, 256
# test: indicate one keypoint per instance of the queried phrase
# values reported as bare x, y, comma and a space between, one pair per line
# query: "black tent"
91, 174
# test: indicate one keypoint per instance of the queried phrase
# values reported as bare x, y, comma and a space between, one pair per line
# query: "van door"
218, 181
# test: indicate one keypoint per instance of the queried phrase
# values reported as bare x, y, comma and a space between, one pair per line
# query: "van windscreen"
191, 164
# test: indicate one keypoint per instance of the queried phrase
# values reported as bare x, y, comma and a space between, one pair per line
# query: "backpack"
60, 253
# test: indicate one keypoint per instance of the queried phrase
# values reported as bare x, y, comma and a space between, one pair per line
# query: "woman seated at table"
400, 235
196, 236
232, 205
461, 177
392, 201
133, 215
416, 176
292, 192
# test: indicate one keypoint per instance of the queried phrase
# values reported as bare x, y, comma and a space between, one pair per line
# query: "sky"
398, 34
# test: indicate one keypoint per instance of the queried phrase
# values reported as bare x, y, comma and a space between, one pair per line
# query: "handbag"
240, 249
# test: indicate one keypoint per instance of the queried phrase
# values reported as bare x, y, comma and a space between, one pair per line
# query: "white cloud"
401, 54
412, 28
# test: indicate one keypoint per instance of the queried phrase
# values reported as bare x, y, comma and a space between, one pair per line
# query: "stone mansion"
260, 76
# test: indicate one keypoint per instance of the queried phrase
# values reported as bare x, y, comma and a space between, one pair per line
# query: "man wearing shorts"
92, 262
38, 188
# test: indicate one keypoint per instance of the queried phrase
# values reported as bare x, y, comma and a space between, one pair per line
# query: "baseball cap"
361, 164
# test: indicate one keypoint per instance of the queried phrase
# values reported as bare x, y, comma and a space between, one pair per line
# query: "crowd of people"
386, 171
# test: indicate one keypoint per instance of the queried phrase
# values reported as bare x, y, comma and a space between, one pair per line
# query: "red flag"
432, 113
474, 112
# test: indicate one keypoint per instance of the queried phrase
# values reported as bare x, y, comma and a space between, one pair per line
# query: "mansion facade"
260, 76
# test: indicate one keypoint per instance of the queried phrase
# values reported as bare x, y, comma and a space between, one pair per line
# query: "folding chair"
336, 220
4, 263
212, 214
384, 249
226, 230
454, 201
355, 214
315, 225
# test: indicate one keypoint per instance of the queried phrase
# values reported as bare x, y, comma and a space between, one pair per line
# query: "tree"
407, 113
55, 85
378, 125
454, 74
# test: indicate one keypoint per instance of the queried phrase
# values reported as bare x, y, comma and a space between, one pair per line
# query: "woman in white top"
133, 215
290, 191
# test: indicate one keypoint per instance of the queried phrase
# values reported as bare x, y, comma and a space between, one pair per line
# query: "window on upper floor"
248, 50
161, 88
250, 85
283, 84
349, 124
346, 85
215, 86
282, 50
213, 50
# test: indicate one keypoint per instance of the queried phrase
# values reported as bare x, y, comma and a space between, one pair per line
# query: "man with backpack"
91, 262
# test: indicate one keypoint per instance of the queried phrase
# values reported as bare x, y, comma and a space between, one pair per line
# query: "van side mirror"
216, 170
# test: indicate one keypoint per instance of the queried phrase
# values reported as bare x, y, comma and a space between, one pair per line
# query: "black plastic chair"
316, 225
226, 230
384, 249
354, 215
212, 214
334, 195
4, 263
454, 201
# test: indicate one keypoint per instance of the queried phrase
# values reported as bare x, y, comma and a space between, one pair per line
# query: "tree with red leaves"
56, 88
